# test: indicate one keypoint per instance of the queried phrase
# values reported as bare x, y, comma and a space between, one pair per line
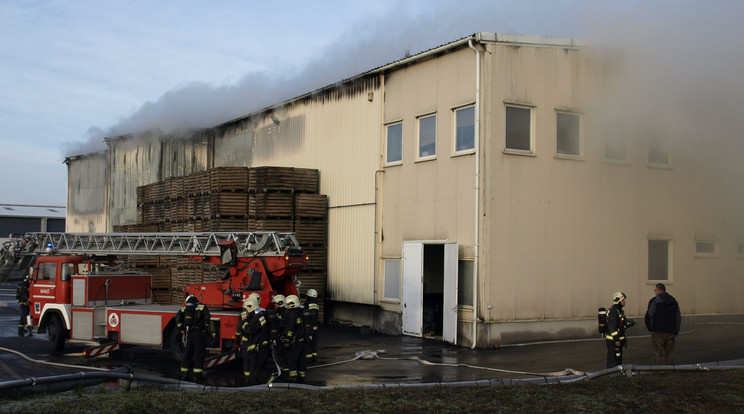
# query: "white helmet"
312, 293
278, 301
256, 296
618, 297
250, 304
293, 301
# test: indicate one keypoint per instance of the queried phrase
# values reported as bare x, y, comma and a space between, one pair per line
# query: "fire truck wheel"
176, 345
57, 333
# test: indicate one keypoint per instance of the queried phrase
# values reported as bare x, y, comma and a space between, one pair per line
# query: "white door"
412, 293
449, 308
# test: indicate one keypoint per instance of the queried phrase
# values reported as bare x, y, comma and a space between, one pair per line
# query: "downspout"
476, 244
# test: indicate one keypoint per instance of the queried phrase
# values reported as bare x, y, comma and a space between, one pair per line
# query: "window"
427, 136
518, 128
391, 290
465, 282
568, 134
394, 143
706, 248
616, 147
47, 271
659, 263
658, 153
68, 269
465, 129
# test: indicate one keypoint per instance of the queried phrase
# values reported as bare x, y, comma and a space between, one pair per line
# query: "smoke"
675, 63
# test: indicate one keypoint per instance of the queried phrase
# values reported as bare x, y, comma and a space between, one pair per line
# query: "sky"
73, 72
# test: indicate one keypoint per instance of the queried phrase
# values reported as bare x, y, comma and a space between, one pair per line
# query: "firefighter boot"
21, 331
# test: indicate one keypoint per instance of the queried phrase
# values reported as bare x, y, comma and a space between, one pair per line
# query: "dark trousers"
614, 354
296, 361
22, 322
254, 364
196, 350
662, 344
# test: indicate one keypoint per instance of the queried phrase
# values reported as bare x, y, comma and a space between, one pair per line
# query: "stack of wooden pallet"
280, 199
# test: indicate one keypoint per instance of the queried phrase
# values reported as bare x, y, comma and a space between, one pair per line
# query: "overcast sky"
73, 72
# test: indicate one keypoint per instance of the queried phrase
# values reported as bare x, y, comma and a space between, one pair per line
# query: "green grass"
682, 392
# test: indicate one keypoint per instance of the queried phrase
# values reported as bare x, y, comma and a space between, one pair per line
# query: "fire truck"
79, 290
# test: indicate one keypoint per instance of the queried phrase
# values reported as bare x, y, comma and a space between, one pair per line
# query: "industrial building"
17, 219
482, 192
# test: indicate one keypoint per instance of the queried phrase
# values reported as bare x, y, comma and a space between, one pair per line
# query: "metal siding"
141, 329
87, 191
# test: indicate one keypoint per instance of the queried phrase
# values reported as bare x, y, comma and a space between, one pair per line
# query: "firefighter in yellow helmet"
293, 338
310, 318
617, 323
195, 325
255, 342
274, 321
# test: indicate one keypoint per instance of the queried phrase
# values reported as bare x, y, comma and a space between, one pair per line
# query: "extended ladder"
248, 244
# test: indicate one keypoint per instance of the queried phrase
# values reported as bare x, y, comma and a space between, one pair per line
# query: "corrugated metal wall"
87, 190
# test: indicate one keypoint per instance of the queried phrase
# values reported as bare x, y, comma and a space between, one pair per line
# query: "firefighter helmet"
250, 304
256, 296
312, 293
191, 299
618, 297
293, 301
278, 301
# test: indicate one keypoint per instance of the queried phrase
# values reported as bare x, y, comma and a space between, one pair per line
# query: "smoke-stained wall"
87, 193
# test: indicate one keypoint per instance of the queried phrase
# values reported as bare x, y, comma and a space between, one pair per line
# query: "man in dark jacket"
663, 320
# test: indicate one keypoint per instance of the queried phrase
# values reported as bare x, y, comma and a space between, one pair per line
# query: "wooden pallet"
197, 183
271, 205
311, 206
227, 179
284, 179
311, 231
281, 225
228, 204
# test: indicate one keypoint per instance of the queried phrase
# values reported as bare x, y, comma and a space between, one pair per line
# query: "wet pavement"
351, 356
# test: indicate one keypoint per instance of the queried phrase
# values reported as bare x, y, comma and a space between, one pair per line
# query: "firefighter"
255, 347
310, 318
23, 298
195, 324
293, 338
617, 323
274, 321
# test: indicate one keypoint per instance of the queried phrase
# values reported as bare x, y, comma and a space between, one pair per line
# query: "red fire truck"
79, 293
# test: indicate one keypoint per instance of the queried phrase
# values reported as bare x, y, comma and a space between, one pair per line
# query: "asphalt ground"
350, 356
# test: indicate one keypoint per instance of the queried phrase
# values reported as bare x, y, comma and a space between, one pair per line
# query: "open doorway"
433, 290
429, 289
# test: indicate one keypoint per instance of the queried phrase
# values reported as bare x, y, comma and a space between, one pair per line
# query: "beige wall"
432, 199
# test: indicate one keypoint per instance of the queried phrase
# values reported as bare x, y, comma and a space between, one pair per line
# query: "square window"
658, 151
391, 290
465, 129
568, 134
706, 248
394, 143
427, 136
518, 128
659, 264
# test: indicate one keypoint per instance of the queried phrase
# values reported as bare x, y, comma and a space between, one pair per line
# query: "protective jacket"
22, 294
663, 314
616, 324
196, 317
254, 331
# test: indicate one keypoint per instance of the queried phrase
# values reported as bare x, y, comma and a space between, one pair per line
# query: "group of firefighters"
288, 333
